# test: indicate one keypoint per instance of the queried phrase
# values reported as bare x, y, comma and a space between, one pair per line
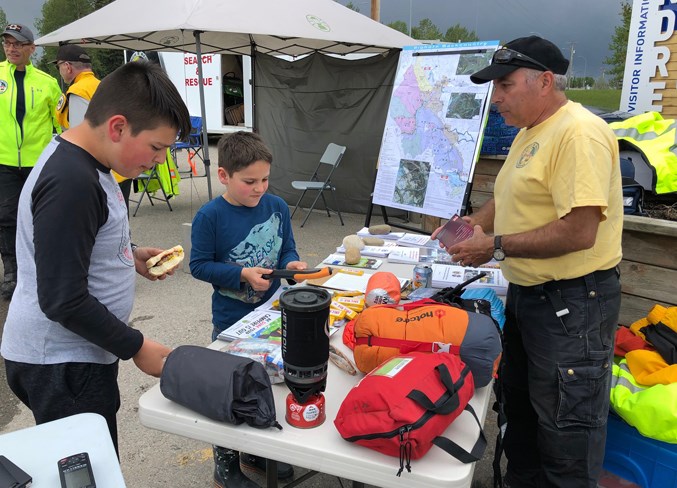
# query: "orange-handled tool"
298, 274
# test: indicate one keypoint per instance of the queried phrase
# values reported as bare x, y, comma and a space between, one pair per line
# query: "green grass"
604, 99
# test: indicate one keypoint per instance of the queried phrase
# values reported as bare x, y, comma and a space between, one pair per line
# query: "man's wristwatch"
499, 253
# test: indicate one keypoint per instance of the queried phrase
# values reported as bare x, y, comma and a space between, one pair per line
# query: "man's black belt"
588, 281
598, 276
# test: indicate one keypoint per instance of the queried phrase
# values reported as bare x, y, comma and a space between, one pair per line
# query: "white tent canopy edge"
292, 27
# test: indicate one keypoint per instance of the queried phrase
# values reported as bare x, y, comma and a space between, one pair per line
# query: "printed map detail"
433, 127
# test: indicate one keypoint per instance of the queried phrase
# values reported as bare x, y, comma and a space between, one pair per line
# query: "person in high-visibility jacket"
28, 99
75, 68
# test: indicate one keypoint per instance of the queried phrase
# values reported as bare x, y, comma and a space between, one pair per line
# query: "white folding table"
322, 448
36, 450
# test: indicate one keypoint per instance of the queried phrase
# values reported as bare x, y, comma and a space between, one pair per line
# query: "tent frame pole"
253, 81
203, 112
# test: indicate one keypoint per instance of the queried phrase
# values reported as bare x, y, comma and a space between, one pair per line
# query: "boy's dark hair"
240, 149
143, 93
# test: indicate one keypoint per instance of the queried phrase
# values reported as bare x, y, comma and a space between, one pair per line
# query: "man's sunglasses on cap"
505, 55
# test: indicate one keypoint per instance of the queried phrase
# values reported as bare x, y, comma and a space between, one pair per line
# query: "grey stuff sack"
220, 386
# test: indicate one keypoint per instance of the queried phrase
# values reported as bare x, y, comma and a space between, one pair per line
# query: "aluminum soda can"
423, 277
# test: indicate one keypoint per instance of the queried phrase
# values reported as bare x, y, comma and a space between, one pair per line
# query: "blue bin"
498, 136
644, 461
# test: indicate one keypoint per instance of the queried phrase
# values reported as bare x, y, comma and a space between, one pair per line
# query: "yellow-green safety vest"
168, 175
656, 138
84, 85
652, 410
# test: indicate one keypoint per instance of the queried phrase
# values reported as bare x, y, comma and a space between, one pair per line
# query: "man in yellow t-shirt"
557, 219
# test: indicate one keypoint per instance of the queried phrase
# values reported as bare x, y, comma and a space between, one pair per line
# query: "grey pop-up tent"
245, 27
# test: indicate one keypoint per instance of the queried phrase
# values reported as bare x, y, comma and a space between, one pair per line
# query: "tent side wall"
302, 106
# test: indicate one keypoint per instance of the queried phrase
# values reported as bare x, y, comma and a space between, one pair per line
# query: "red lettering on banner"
206, 59
205, 81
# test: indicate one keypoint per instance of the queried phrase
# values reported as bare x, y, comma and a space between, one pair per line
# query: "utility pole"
410, 2
572, 51
376, 10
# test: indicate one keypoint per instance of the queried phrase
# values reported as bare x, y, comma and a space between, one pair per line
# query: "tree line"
57, 13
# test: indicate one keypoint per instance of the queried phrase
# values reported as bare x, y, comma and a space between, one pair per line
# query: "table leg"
271, 473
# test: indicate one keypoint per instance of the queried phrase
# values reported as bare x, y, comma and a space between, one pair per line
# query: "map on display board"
434, 126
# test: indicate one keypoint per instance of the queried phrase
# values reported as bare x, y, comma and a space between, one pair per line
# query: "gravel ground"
177, 311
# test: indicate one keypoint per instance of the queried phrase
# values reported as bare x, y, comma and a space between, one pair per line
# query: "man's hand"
253, 277
143, 254
151, 357
467, 219
475, 251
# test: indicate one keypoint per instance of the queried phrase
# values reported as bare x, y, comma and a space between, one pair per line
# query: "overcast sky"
587, 24
22, 11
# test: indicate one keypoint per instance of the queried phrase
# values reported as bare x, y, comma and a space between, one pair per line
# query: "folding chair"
332, 156
150, 182
193, 145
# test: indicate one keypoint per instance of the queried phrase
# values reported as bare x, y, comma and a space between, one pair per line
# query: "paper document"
375, 251
268, 304
413, 255
342, 281
446, 275
403, 254
260, 324
417, 240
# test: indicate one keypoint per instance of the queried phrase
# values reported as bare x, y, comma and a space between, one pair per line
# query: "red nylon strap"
406, 346
411, 305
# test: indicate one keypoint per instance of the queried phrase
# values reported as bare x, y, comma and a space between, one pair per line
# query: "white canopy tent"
245, 27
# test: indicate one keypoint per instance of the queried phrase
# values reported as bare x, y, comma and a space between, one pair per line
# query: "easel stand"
415, 150
465, 210
384, 214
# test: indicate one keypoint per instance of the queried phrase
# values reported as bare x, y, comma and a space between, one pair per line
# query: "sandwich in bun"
165, 261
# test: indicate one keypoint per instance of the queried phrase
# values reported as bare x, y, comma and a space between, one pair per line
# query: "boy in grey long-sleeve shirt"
67, 322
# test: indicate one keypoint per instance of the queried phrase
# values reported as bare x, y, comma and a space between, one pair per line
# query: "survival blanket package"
402, 407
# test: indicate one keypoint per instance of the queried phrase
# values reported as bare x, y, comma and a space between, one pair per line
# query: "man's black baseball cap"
536, 53
71, 52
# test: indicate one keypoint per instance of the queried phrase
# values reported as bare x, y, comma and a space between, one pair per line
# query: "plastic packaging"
268, 353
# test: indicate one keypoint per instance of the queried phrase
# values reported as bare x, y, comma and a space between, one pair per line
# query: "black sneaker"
257, 464
8, 285
237, 480
227, 472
